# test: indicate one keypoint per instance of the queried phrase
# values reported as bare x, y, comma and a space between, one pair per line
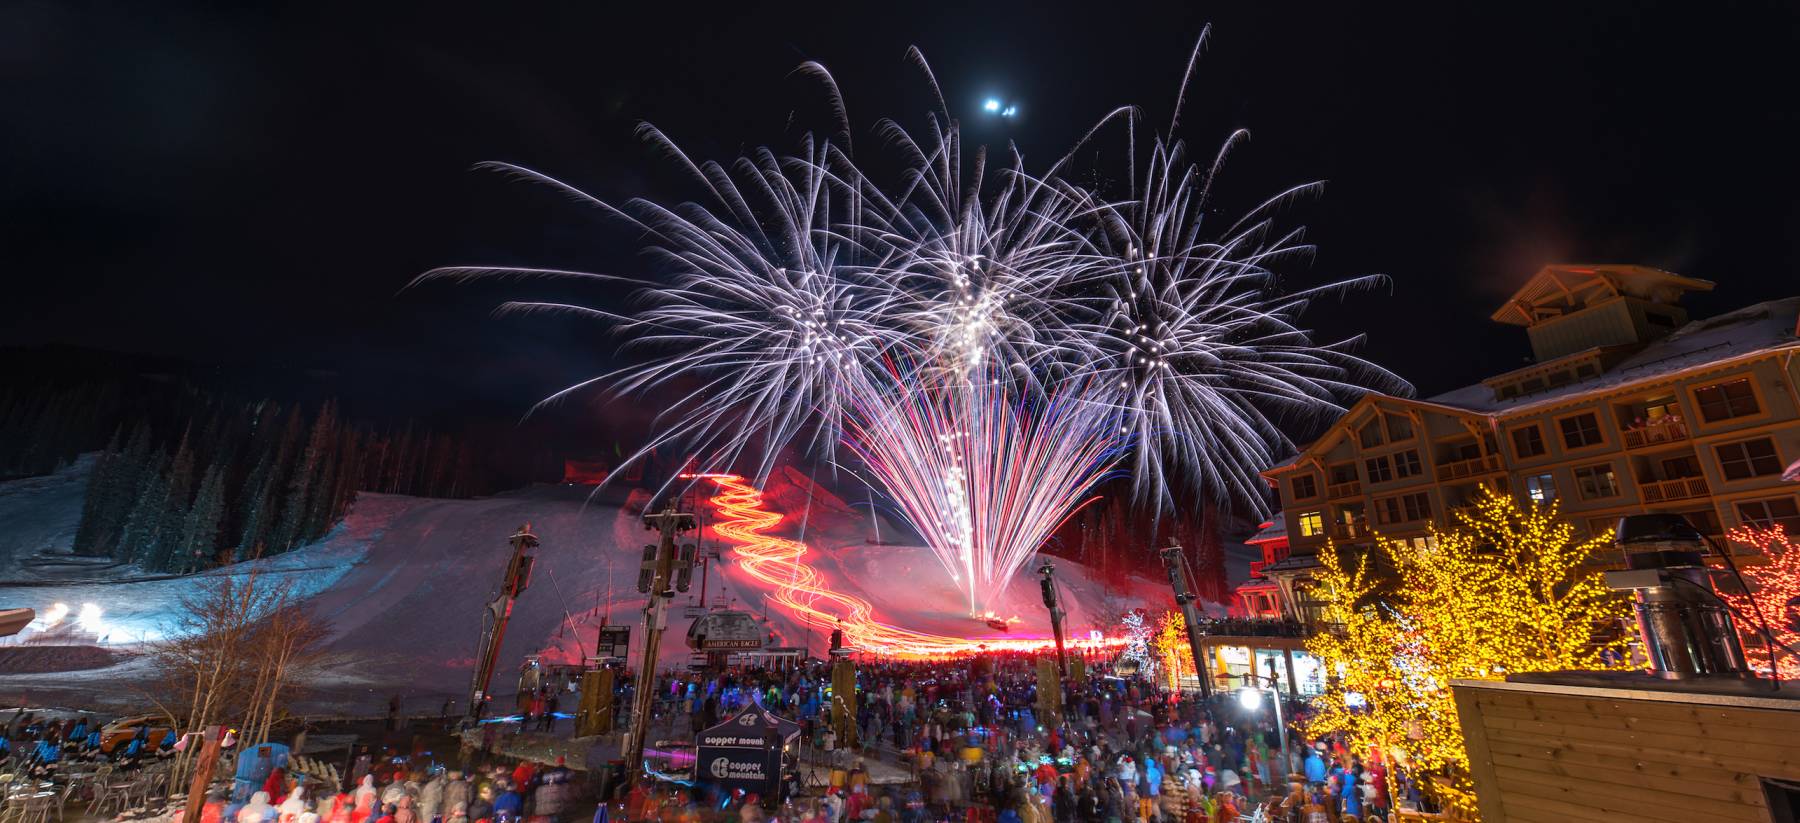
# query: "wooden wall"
1554, 753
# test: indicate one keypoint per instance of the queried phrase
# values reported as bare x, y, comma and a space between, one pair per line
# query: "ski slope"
402, 583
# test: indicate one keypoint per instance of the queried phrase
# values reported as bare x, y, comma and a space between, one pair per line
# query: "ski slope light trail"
797, 587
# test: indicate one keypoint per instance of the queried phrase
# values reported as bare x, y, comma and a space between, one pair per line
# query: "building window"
1528, 441
1312, 524
1343, 473
1399, 428
1541, 488
1751, 458
1378, 469
1370, 434
1406, 464
1404, 509
1724, 401
1596, 482
1417, 506
1305, 487
1580, 431
1776, 511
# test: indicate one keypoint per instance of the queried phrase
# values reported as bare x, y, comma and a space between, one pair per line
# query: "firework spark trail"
779, 563
988, 343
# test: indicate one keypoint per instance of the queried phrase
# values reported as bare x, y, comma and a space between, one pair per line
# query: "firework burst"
982, 344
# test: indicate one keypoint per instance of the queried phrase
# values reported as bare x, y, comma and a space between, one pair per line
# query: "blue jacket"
1315, 768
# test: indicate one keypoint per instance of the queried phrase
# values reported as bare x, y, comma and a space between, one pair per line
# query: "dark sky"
253, 183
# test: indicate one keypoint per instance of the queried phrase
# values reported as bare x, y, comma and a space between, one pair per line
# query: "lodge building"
1629, 406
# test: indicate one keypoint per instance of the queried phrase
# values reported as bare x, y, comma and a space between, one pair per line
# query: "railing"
1458, 469
1347, 489
1353, 530
1652, 435
1656, 491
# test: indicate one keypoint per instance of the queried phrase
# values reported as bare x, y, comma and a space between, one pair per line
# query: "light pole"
1250, 697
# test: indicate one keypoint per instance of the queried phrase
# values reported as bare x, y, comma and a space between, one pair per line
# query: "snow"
403, 581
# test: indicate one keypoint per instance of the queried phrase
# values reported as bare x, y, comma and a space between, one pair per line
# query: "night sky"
253, 185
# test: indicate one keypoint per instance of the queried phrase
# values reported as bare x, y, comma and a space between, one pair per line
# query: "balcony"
1256, 567
1655, 434
1475, 467
1662, 491
1356, 530
1347, 489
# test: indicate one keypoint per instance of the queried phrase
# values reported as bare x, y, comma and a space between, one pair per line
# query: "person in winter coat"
554, 792
459, 813
390, 796
431, 798
387, 814
407, 810
257, 810
366, 795
482, 807
510, 805
292, 806
457, 791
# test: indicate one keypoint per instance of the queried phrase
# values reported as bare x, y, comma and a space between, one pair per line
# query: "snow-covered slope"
402, 582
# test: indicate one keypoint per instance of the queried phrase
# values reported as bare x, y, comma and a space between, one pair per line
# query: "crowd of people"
975, 747
399, 790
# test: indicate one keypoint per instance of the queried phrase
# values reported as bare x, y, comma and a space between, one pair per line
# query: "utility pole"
665, 570
1175, 562
1048, 582
499, 611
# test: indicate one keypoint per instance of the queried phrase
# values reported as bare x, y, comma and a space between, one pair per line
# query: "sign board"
744, 751
727, 631
615, 641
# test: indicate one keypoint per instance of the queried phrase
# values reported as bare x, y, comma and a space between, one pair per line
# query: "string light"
1504, 591
1775, 593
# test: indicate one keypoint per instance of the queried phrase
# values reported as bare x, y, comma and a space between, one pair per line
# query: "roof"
1293, 562
1564, 287
1750, 330
1270, 532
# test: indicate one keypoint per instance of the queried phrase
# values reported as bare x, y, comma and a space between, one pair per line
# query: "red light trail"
797, 587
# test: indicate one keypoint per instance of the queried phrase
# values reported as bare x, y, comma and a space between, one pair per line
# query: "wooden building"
1587, 746
1629, 406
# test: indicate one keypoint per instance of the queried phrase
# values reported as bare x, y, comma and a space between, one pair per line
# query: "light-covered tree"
1507, 590
1774, 596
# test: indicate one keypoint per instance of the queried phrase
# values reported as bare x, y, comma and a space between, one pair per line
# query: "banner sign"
744, 752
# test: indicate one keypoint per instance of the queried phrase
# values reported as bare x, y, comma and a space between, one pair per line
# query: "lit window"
1378, 469
1580, 431
1595, 482
1305, 486
1751, 458
1777, 511
1312, 524
1724, 401
1406, 464
1541, 488
1528, 441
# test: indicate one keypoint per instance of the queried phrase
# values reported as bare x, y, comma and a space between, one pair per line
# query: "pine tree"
200, 531
290, 529
146, 517
163, 552
124, 479
93, 504
260, 515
